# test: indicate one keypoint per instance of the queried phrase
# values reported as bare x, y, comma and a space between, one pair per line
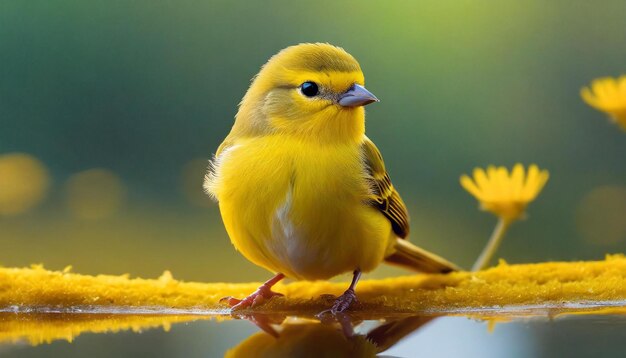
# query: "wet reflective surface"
521, 332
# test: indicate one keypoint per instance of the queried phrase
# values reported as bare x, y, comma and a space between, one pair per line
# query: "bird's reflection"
328, 336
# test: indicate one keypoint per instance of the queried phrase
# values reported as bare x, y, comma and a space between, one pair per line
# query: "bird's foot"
263, 293
341, 304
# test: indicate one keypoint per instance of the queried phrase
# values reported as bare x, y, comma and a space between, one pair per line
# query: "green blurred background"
123, 102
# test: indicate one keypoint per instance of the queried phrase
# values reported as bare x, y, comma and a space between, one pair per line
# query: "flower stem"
492, 246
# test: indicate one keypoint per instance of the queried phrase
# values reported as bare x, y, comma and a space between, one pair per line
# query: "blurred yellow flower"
24, 183
94, 194
505, 195
608, 95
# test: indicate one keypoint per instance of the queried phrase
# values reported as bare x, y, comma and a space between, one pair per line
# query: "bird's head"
312, 91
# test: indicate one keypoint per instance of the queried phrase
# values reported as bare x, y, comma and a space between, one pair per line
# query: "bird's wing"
386, 199
384, 195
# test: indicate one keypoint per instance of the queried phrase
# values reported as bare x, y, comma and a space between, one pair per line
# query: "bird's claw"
256, 298
230, 300
341, 304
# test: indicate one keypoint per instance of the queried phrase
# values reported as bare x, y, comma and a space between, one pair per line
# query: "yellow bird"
302, 191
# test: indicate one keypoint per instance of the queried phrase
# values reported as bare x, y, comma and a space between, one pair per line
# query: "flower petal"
502, 183
601, 87
517, 181
589, 97
505, 193
530, 183
468, 184
542, 179
481, 181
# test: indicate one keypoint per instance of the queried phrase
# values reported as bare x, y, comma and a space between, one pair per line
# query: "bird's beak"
356, 96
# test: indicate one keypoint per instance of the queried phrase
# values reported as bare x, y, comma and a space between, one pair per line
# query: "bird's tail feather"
414, 258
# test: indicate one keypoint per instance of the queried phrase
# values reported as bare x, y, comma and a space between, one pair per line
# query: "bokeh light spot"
192, 177
601, 215
24, 182
95, 194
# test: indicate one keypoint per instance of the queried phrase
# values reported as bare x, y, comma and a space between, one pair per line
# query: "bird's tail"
414, 258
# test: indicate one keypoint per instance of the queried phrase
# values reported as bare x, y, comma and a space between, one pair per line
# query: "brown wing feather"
388, 201
384, 195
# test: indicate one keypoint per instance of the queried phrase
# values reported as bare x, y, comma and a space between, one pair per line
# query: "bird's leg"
262, 293
344, 301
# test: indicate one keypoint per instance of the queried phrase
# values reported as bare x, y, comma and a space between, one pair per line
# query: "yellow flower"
505, 195
608, 95
24, 183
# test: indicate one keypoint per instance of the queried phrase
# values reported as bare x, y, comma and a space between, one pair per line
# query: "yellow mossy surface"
550, 283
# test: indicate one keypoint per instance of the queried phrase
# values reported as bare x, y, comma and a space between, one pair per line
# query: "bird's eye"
309, 89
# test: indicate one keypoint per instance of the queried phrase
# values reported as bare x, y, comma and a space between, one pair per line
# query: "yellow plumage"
301, 189
297, 207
